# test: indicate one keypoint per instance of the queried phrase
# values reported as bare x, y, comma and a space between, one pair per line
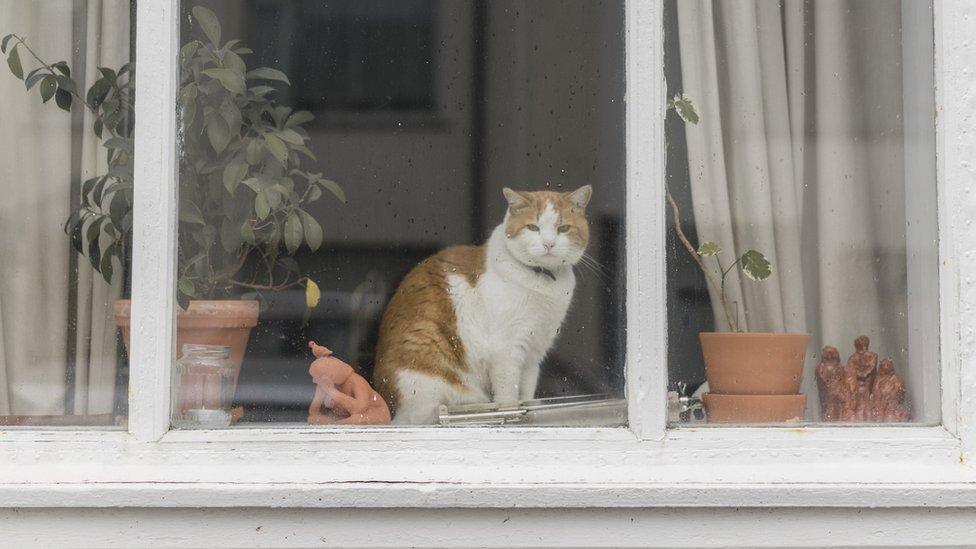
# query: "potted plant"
243, 190
753, 377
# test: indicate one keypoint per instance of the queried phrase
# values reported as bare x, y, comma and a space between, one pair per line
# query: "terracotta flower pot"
753, 363
221, 322
754, 408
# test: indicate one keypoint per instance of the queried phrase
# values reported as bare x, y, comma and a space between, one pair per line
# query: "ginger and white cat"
472, 324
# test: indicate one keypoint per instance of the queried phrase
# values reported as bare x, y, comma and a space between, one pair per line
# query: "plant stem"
277, 288
716, 284
734, 324
50, 69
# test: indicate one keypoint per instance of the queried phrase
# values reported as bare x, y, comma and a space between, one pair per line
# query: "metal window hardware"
572, 411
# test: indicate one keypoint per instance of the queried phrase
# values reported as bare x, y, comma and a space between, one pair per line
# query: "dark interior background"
425, 110
689, 308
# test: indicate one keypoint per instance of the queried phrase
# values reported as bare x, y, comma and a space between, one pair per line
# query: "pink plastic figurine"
347, 396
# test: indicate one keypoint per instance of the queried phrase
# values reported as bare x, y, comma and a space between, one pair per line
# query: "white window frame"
646, 465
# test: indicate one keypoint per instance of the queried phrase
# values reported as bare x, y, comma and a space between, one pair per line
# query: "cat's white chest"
503, 322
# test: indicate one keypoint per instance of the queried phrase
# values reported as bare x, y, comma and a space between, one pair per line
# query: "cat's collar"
543, 271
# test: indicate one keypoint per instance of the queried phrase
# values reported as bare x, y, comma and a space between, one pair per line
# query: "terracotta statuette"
342, 396
861, 391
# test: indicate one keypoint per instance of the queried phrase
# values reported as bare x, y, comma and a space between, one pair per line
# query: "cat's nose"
548, 245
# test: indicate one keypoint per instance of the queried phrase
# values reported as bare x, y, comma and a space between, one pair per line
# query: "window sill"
825, 467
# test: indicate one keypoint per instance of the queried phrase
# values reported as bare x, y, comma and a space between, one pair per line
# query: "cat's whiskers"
590, 264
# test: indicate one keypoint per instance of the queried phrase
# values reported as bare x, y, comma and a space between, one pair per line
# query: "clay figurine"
863, 390
342, 396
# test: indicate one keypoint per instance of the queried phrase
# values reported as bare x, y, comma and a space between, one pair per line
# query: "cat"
471, 324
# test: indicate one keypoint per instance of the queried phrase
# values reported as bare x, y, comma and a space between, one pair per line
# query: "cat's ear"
515, 200
581, 196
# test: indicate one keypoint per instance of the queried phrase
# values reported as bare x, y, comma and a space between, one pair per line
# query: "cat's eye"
563, 228
531, 227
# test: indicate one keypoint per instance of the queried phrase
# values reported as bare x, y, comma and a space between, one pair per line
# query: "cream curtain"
799, 154
39, 150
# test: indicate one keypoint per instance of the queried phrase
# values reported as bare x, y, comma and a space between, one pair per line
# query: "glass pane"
66, 172
335, 154
803, 265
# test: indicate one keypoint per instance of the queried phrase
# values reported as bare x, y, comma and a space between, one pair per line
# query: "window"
622, 115
331, 232
801, 158
67, 213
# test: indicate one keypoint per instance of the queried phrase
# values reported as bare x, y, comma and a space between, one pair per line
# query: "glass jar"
202, 387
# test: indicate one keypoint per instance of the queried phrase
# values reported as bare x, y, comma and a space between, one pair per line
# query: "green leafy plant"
106, 200
752, 263
244, 193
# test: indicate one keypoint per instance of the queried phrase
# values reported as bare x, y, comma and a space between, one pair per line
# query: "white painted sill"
383, 467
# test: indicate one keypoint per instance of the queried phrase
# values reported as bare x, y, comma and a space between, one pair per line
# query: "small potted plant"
244, 193
753, 377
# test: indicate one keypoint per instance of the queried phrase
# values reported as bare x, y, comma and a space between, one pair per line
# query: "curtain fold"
37, 145
799, 155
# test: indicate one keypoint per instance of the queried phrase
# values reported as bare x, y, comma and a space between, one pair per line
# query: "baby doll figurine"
347, 395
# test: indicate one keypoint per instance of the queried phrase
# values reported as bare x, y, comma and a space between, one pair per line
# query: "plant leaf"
219, 134
190, 213
255, 184
312, 293
13, 61
334, 188
91, 234
276, 146
63, 99
98, 91
313, 231
62, 67
708, 248
3, 44
247, 233
48, 86
34, 78
291, 136
95, 253
261, 206
755, 265
230, 236
293, 233
234, 62
66, 84
234, 173
106, 264
187, 51
266, 73
94, 248
187, 286
261, 90
119, 143
298, 118
254, 152
314, 193
304, 150
209, 23
76, 236
182, 300
231, 80
683, 105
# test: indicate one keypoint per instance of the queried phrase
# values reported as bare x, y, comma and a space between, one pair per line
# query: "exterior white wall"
672, 528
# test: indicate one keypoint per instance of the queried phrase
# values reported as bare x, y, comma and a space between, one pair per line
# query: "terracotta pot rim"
753, 334
215, 313
751, 396
124, 304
